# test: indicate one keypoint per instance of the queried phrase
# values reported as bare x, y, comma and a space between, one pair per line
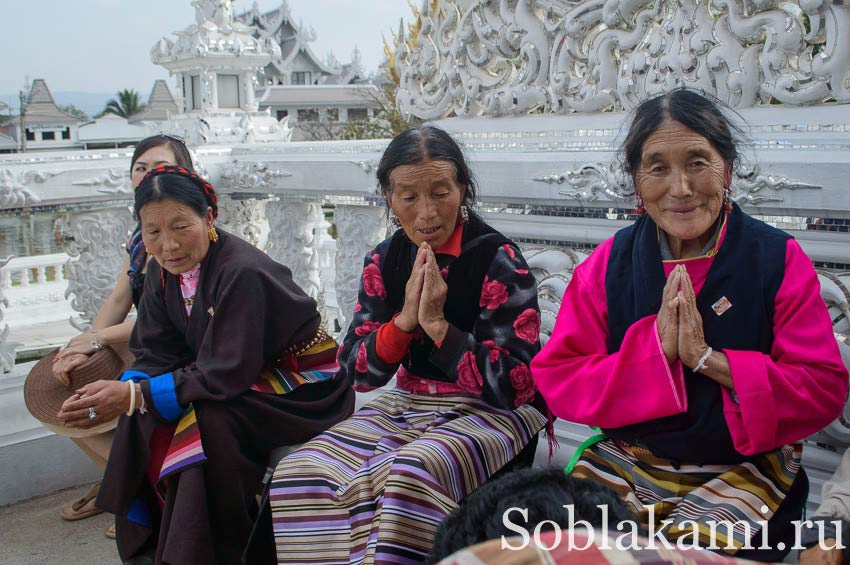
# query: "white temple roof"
278, 25
110, 128
43, 111
160, 103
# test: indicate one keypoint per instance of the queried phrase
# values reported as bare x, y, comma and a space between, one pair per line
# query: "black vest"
748, 270
465, 278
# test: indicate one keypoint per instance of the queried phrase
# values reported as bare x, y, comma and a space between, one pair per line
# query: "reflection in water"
24, 236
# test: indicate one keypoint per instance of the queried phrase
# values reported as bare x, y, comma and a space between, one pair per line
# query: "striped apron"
374, 488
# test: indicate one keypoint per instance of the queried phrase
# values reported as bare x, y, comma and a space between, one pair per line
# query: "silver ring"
92, 413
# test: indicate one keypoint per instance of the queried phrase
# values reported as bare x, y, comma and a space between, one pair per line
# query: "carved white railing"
481, 57
33, 271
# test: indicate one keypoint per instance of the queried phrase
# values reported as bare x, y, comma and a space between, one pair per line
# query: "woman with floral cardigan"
448, 305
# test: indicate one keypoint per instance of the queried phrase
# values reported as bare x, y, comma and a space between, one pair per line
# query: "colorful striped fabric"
374, 488
185, 449
312, 363
734, 494
282, 381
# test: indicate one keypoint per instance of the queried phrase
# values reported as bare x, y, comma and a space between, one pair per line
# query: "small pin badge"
721, 306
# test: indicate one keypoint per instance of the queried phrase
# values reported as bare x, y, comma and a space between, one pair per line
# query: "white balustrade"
33, 271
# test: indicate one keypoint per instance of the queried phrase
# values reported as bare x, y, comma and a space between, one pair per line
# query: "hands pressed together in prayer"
424, 297
108, 400
680, 329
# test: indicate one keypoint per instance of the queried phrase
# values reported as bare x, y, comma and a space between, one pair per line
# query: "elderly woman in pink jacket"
697, 340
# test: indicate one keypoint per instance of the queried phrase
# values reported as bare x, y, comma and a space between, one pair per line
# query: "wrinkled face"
426, 199
175, 235
681, 179
151, 159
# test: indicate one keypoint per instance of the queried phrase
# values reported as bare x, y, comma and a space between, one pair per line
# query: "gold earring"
395, 221
148, 253
212, 234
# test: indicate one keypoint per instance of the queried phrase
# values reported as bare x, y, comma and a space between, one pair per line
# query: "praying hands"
424, 297
680, 328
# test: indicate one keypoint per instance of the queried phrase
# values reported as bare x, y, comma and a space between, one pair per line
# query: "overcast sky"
104, 45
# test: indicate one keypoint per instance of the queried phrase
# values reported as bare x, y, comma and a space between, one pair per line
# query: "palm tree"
127, 104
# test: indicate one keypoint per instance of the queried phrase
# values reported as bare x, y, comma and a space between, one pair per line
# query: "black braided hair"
177, 183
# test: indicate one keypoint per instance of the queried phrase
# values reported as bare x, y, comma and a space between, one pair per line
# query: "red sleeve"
391, 343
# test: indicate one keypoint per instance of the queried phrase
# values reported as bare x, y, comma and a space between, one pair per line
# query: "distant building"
297, 65
319, 111
110, 130
160, 105
318, 98
45, 125
48, 127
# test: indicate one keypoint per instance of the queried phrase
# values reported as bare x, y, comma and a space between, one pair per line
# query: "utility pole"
22, 112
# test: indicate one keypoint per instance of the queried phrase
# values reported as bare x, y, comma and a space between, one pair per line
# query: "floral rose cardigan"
490, 360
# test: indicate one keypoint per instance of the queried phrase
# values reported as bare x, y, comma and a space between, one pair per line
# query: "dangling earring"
396, 223
727, 199
212, 234
464, 214
640, 210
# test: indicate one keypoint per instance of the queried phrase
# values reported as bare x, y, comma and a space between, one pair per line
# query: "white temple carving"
484, 58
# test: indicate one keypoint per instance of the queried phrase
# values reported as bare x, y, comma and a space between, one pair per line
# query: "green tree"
76, 112
387, 122
127, 104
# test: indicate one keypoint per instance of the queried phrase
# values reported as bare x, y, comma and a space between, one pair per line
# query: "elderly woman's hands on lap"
108, 399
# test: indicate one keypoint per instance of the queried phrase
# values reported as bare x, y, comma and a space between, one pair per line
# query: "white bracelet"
132, 407
701, 363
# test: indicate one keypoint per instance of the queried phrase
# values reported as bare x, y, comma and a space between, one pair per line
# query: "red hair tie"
205, 187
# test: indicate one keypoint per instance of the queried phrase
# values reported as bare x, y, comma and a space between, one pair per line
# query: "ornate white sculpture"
13, 188
750, 186
96, 243
291, 242
245, 218
593, 181
113, 181
482, 57
359, 229
251, 175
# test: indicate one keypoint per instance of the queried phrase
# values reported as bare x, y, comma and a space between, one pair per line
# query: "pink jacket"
779, 398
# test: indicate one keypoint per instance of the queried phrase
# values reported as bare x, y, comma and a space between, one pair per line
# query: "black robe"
246, 311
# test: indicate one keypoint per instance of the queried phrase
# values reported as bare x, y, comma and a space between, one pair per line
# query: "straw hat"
44, 394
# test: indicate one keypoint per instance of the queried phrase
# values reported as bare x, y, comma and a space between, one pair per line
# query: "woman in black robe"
205, 404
